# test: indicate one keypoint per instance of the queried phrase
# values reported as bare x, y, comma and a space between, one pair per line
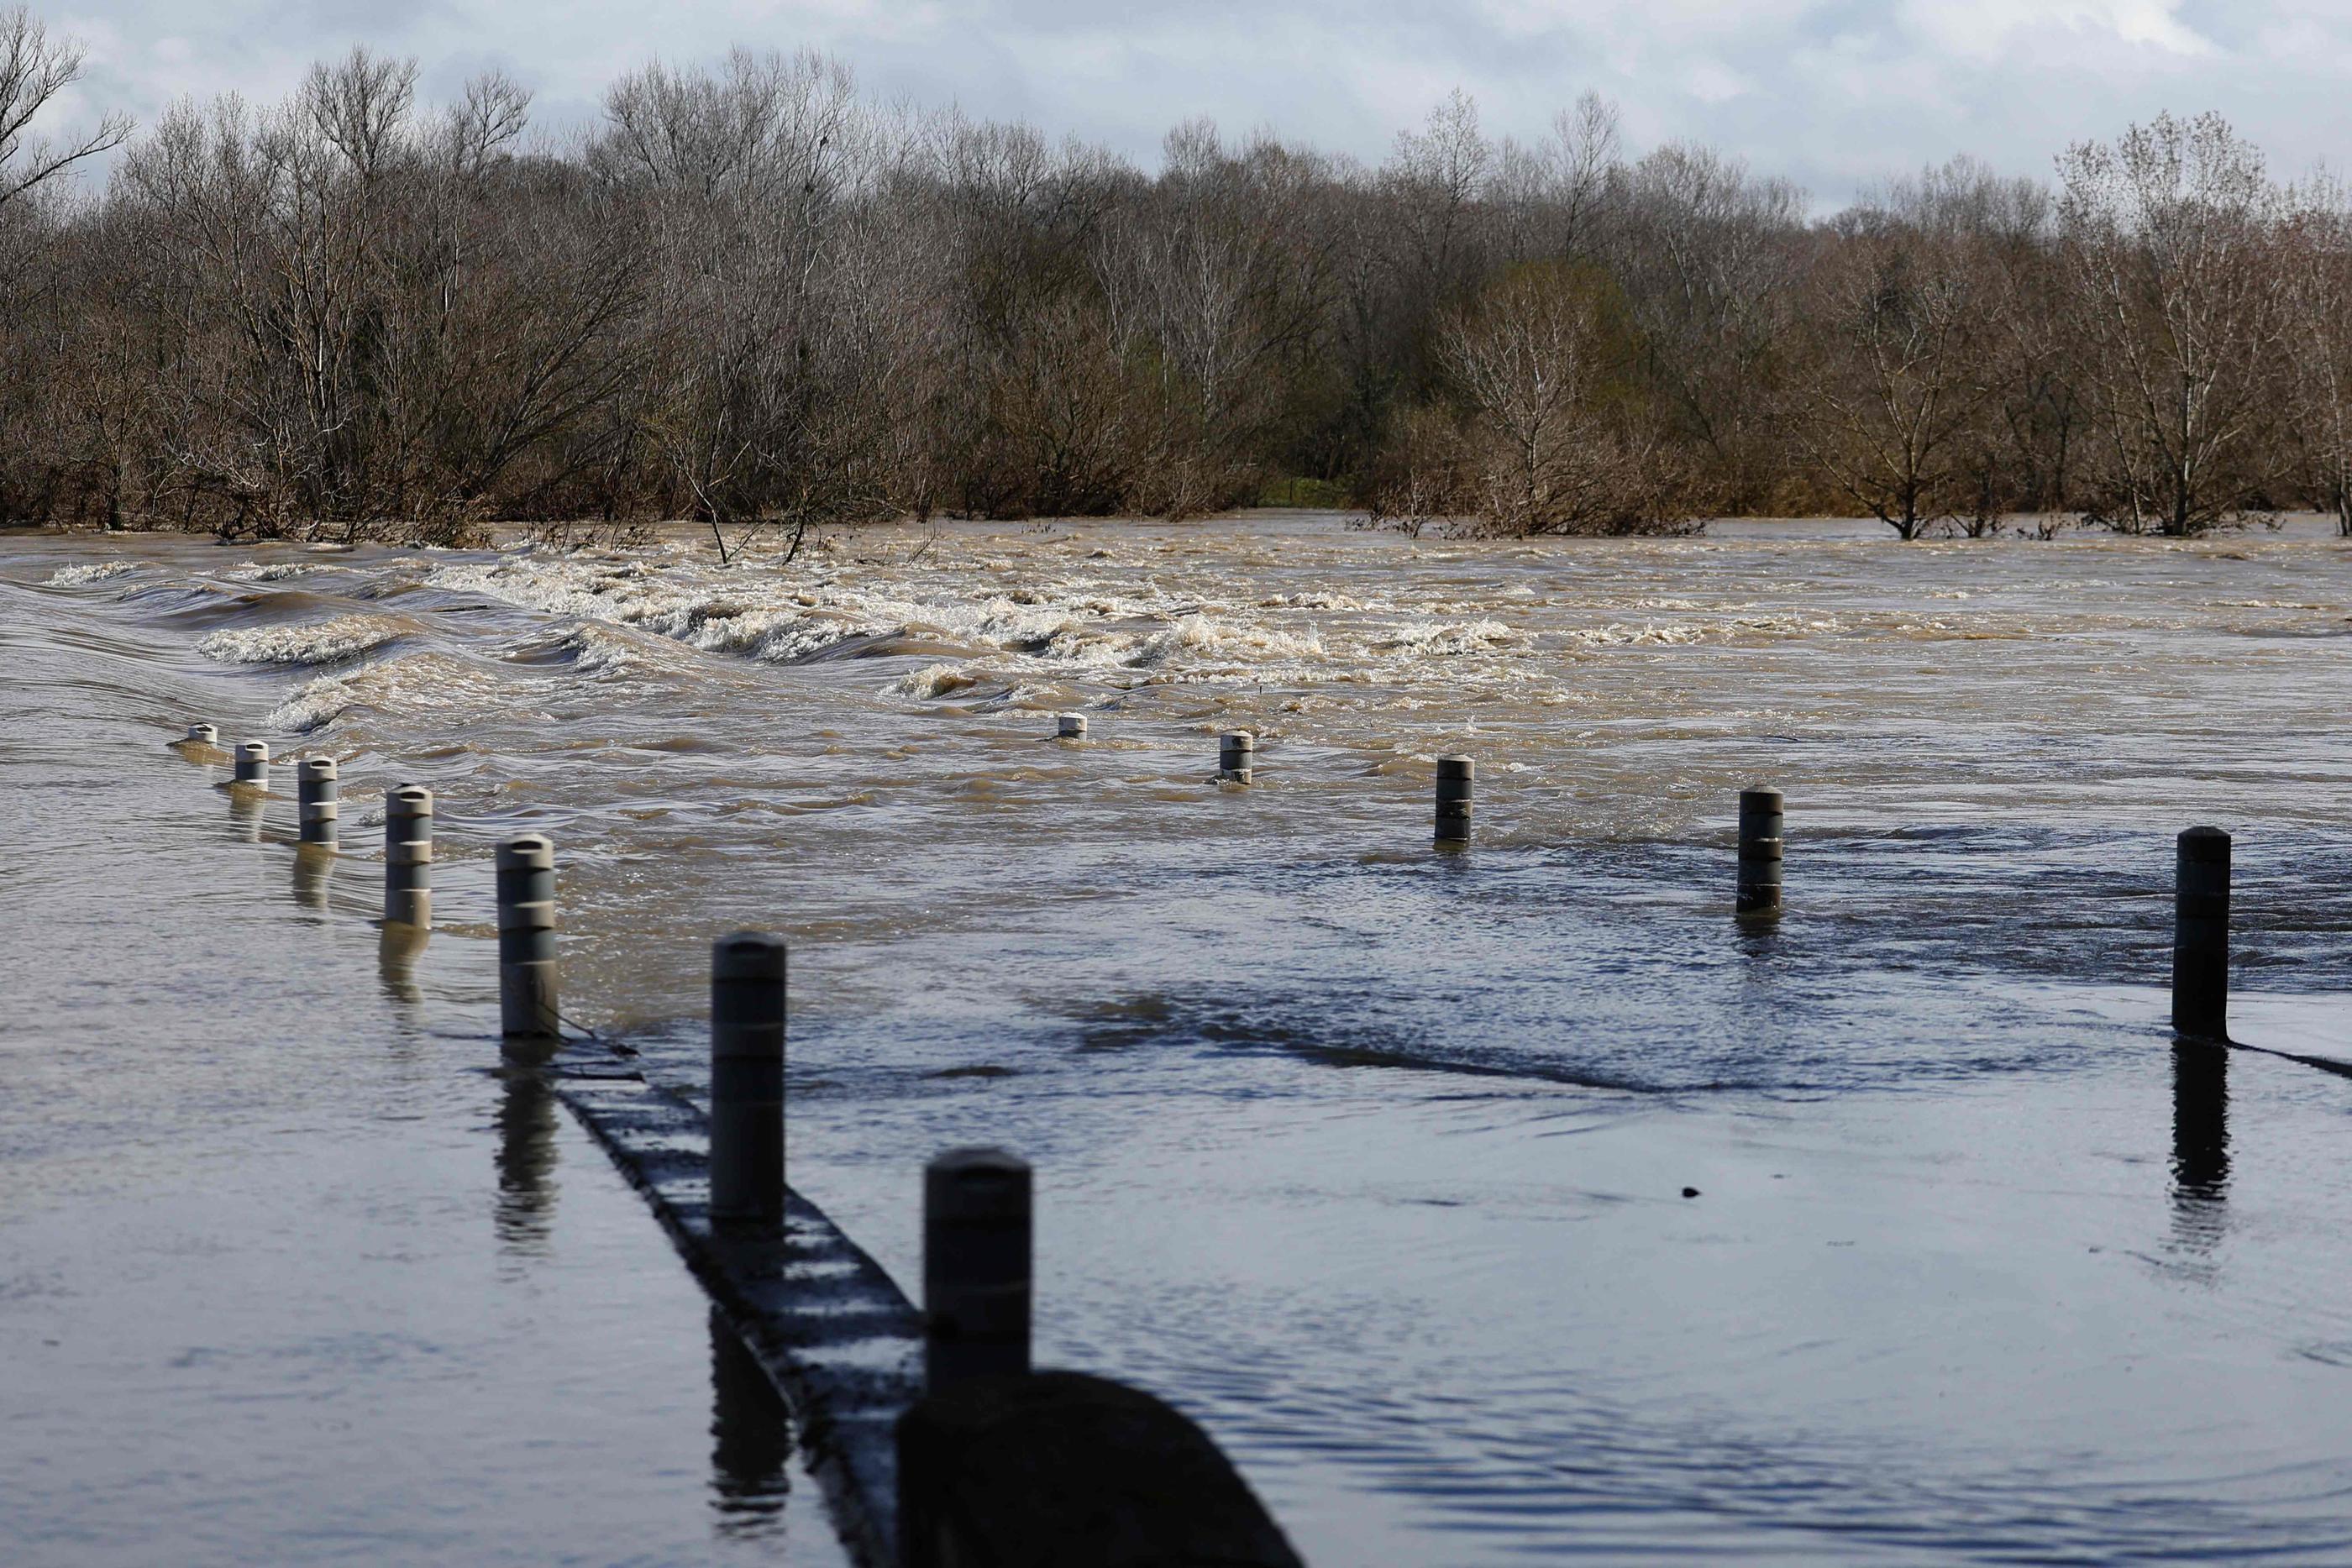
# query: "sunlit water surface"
1372, 1157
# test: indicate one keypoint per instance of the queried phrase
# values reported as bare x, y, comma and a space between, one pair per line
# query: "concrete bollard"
2200, 935
253, 764
1453, 778
1759, 852
408, 857
318, 793
526, 878
1071, 727
976, 1266
1236, 756
202, 735
746, 1077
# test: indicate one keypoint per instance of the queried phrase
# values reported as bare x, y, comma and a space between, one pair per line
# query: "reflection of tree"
2200, 1148
526, 1159
751, 1441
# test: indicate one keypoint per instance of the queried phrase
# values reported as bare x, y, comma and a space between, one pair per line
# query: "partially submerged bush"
1541, 430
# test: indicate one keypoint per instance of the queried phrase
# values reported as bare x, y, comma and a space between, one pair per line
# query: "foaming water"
1374, 1157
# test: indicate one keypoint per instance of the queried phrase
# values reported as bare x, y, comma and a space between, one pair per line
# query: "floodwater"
1372, 1157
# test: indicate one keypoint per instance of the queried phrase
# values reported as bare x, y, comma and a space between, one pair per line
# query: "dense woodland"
752, 297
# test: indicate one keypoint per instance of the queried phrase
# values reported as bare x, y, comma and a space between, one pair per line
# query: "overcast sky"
1834, 93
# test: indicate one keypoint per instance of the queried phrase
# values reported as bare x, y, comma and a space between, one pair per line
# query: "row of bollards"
1759, 812
526, 877
997, 1464
997, 1460
526, 903
976, 1202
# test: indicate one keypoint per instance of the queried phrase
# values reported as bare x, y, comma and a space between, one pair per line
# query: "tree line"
749, 295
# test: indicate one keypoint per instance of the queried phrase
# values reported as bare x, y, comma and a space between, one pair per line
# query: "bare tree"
1548, 440
749, 172
1549, 198
2317, 258
2169, 236
1216, 283
1708, 255
1898, 319
34, 70
752, 297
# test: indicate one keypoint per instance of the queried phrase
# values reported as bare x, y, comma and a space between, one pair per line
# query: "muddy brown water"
1370, 1158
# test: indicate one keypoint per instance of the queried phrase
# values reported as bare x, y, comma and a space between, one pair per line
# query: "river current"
1374, 1158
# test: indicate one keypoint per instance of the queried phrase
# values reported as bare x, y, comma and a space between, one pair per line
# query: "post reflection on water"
396, 953
314, 871
2200, 1148
245, 808
751, 1441
526, 1162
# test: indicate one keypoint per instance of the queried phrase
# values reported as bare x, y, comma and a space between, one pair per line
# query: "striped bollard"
1454, 783
319, 793
1759, 852
1236, 756
408, 857
1071, 727
204, 735
526, 883
746, 1077
253, 764
2201, 933
976, 1266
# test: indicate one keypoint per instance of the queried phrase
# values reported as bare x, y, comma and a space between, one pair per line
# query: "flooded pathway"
1372, 1159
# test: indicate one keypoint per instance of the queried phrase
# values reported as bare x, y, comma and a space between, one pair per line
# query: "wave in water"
93, 571
335, 642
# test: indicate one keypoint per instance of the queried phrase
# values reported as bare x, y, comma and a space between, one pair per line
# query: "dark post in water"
1759, 852
2200, 935
1453, 775
319, 793
746, 1077
408, 857
253, 764
526, 878
1236, 756
976, 1237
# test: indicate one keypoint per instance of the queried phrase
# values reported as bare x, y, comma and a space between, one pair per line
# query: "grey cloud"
1834, 93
